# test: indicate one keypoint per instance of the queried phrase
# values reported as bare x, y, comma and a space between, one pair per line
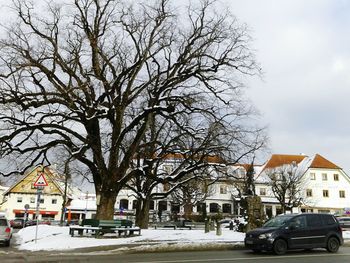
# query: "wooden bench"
101, 227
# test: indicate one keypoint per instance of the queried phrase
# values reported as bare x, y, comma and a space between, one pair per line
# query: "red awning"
42, 212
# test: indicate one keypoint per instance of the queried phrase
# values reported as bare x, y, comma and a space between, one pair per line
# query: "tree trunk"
188, 209
105, 207
142, 213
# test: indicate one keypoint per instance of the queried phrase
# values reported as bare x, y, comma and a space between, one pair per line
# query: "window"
54, 201
342, 194
201, 207
299, 222
19, 199
336, 177
314, 220
151, 205
262, 191
124, 204
213, 208
324, 177
223, 189
134, 204
328, 219
324, 211
312, 176
325, 193
308, 192
227, 208
42, 201
32, 200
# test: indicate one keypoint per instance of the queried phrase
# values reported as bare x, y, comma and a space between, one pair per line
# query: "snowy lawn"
58, 238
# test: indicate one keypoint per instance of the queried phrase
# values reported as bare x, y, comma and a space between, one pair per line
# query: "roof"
180, 156
321, 162
23, 185
278, 160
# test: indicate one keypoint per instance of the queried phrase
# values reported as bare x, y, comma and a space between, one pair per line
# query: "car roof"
299, 214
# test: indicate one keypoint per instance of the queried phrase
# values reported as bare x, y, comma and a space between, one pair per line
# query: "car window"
3, 222
329, 219
314, 220
277, 221
299, 222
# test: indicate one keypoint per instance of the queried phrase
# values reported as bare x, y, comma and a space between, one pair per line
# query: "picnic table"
101, 227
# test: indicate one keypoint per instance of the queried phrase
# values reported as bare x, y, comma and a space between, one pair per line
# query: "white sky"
304, 49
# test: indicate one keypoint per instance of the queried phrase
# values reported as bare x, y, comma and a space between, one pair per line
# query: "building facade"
324, 187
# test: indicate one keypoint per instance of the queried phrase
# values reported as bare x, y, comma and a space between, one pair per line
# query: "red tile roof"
321, 162
277, 160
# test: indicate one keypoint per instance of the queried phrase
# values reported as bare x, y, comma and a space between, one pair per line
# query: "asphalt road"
242, 256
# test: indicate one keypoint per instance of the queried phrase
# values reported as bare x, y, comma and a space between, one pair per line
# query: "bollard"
206, 226
218, 228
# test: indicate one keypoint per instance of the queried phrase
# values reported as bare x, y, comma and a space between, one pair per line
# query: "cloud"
303, 47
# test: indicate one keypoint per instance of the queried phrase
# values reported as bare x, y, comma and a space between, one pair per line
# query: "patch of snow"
58, 238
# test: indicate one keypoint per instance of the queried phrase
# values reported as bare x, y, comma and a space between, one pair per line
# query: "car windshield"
277, 221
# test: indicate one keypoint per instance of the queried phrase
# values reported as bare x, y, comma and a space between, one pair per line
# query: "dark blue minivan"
296, 231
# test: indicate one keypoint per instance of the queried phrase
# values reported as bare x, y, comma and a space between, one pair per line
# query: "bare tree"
90, 76
285, 182
180, 151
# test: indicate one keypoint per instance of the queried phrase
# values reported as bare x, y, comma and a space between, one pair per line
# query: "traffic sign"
41, 181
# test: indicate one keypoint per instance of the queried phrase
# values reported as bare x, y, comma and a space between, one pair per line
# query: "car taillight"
8, 230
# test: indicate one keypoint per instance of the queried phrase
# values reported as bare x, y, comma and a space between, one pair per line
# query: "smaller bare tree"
285, 183
192, 193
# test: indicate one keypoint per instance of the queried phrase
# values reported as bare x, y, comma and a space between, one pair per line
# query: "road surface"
241, 256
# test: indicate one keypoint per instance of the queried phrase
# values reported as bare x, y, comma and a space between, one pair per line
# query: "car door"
298, 235
317, 229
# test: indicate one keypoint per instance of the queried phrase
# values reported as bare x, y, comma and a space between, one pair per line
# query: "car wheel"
280, 247
332, 245
7, 243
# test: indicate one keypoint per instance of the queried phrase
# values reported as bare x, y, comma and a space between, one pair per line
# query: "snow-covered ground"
58, 238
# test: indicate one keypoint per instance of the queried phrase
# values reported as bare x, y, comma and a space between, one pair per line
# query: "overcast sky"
303, 47
304, 50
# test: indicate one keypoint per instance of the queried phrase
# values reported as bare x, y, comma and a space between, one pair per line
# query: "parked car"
17, 223
296, 231
5, 231
344, 222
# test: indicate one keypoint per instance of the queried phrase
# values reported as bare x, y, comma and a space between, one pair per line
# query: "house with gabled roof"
21, 197
325, 186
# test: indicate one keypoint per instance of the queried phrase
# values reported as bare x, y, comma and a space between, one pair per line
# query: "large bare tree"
90, 75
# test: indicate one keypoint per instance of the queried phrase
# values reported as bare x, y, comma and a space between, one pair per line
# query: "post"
218, 228
39, 190
206, 226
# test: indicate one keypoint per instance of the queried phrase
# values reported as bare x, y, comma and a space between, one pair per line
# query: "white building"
22, 198
325, 188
